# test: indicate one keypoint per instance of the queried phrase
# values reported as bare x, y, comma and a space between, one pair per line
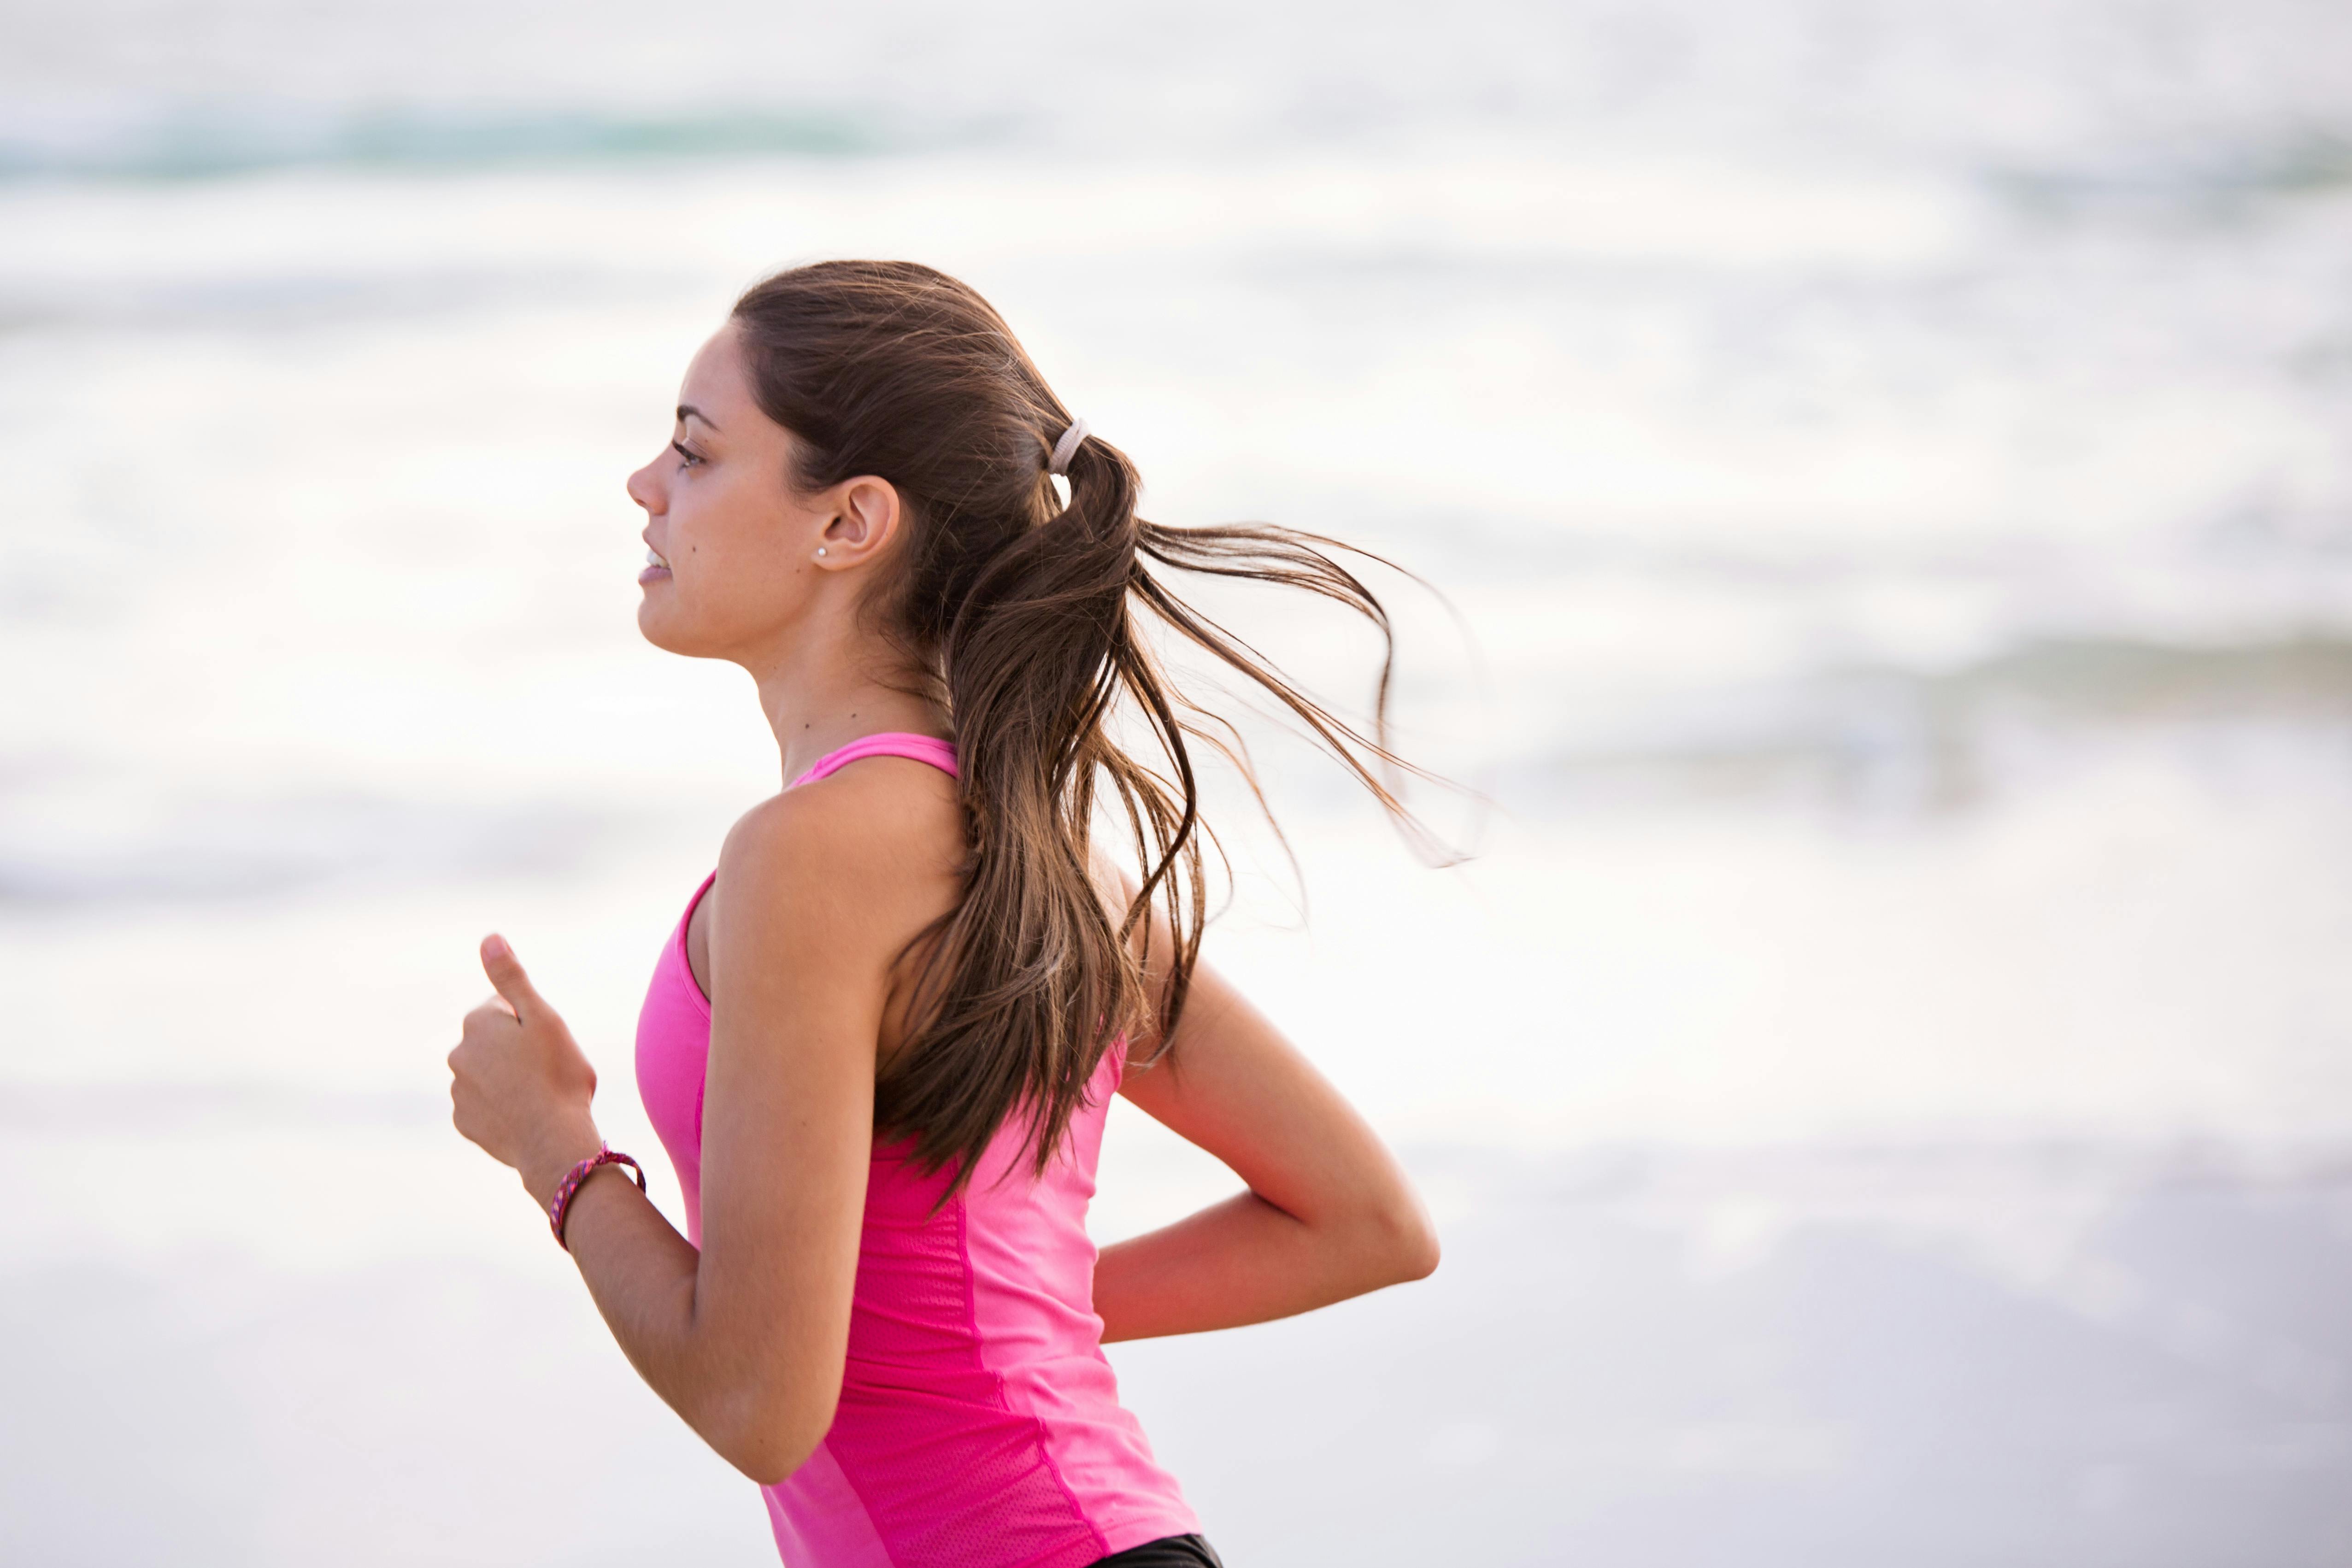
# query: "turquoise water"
1890, 458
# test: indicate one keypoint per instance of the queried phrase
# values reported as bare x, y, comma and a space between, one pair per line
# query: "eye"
688, 458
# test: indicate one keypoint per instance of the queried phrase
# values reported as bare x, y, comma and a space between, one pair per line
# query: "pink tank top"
979, 1424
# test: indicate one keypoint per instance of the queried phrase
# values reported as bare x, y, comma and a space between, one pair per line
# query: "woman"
880, 1048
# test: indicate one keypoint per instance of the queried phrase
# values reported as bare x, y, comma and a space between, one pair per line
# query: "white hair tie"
1065, 447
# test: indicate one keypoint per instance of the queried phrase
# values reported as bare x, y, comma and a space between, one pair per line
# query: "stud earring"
820, 550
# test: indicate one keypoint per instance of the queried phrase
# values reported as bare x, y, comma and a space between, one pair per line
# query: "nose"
644, 487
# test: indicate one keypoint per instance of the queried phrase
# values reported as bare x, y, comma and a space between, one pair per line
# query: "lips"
656, 568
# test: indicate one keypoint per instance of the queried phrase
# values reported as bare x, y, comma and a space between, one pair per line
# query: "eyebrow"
687, 410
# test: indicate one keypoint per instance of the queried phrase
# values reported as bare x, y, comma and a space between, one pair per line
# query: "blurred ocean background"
1886, 1079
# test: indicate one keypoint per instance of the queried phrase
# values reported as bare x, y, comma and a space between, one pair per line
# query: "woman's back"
979, 1421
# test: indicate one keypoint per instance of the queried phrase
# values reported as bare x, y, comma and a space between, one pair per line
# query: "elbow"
768, 1439
768, 1463
1417, 1252
1404, 1243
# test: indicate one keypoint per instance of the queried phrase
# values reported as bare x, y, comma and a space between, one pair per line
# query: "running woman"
879, 1047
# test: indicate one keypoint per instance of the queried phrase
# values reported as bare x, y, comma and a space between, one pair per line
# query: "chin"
658, 623
664, 623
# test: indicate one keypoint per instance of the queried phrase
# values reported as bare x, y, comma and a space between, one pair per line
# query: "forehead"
716, 381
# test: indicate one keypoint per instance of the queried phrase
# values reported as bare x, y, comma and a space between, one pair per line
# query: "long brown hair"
1020, 616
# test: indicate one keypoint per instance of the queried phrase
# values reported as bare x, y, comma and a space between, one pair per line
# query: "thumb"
504, 971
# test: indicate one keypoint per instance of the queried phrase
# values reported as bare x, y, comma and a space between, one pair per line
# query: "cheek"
711, 552
730, 572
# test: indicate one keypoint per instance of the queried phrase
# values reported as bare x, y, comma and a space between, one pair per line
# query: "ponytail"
1022, 615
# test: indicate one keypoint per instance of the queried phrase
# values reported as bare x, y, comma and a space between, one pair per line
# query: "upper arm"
817, 897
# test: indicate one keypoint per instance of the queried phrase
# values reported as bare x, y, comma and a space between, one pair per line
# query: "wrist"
544, 1170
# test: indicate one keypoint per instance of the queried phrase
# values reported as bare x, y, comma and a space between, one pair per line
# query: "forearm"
640, 1275
1246, 1261
745, 1331
643, 1276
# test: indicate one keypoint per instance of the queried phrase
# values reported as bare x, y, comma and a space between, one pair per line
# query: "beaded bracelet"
606, 1155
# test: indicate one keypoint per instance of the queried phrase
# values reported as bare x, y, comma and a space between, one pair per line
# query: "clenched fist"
519, 1086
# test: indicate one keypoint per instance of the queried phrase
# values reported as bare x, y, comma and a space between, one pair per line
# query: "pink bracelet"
605, 1155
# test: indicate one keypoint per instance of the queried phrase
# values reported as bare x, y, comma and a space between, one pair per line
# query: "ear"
865, 517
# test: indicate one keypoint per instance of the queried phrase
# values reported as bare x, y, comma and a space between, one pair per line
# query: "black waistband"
1170, 1552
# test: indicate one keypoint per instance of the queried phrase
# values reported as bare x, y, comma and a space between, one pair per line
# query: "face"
733, 561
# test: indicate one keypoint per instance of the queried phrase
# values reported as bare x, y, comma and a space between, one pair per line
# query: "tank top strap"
940, 754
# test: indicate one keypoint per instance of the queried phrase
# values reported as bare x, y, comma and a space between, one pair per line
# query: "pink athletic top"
979, 1424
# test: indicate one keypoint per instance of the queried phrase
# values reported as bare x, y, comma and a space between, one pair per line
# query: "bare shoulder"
880, 843
1116, 887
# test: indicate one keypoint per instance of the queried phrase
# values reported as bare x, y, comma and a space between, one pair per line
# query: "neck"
825, 693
